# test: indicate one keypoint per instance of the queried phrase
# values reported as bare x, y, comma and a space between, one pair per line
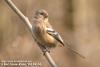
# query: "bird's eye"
42, 13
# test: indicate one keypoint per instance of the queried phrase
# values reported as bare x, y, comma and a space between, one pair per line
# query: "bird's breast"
44, 38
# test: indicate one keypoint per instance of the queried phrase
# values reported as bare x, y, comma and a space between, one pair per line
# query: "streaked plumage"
43, 31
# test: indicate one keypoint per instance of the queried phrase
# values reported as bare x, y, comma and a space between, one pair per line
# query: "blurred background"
77, 21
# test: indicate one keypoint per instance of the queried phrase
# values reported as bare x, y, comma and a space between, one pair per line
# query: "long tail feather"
69, 47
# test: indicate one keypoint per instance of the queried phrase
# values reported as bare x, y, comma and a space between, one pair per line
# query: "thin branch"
27, 22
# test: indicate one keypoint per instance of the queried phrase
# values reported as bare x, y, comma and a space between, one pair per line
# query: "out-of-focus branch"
27, 22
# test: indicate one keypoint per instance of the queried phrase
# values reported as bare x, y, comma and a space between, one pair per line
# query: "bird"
44, 34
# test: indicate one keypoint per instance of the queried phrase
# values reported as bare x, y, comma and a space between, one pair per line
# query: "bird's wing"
55, 34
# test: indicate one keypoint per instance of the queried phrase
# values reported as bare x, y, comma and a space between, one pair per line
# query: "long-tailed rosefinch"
43, 32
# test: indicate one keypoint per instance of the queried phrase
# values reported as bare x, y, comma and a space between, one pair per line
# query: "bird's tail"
75, 52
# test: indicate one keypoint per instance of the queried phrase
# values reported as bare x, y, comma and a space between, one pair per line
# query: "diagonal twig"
27, 22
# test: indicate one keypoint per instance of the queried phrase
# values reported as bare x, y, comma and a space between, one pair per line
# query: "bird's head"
41, 13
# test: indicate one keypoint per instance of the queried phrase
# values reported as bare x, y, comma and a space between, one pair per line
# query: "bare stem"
27, 22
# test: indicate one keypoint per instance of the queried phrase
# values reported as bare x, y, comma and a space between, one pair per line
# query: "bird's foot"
45, 50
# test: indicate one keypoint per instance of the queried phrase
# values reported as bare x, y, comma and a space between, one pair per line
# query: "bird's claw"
45, 50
